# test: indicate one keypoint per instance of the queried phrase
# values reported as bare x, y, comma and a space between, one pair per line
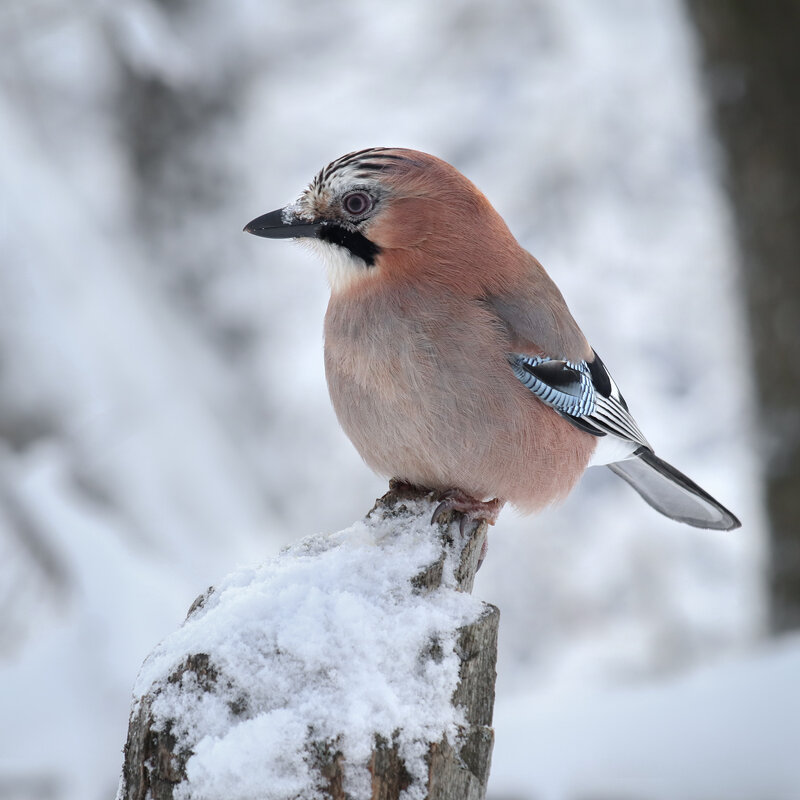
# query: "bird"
452, 360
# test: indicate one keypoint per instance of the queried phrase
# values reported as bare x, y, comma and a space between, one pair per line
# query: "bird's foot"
468, 507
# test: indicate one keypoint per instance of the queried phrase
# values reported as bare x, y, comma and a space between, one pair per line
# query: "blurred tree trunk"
752, 60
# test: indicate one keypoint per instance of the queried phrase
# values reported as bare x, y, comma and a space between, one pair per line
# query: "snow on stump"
353, 666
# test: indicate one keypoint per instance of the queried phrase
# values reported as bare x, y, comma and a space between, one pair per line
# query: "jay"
452, 360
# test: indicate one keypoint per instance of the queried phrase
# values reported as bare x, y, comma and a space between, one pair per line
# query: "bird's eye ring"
357, 203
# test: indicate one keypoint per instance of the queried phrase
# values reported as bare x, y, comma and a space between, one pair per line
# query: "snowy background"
163, 411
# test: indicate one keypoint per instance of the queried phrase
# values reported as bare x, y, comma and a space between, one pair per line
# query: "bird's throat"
356, 243
343, 268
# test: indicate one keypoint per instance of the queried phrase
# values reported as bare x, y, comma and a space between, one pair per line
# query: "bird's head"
392, 214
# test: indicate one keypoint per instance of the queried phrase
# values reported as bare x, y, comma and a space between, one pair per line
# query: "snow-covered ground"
727, 730
163, 413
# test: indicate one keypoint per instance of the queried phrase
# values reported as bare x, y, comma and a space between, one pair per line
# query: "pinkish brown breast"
420, 383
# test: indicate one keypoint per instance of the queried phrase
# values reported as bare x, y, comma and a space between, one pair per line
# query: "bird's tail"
673, 494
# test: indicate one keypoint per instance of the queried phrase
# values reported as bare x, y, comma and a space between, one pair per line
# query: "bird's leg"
469, 508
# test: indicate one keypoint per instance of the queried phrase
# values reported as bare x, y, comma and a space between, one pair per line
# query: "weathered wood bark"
753, 73
155, 765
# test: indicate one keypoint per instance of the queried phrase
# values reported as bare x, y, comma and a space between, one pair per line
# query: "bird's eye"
357, 203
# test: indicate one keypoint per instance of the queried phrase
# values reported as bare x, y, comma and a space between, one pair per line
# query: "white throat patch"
342, 268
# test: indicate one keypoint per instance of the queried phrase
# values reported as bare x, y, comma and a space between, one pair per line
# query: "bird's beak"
282, 224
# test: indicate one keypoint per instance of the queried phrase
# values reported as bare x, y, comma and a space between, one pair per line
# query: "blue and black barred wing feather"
585, 394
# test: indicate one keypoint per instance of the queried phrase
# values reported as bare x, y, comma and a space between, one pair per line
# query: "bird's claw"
467, 507
443, 509
469, 510
439, 513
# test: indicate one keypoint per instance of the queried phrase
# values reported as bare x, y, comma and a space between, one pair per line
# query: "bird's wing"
539, 325
536, 317
579, 388
585, 394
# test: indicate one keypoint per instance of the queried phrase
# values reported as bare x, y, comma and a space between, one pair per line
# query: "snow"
163, 410
728, 729
325, 643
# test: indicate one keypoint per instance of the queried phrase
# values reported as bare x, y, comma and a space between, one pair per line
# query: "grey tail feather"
673, 494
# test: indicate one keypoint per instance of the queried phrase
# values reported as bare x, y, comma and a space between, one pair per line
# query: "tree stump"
352, 666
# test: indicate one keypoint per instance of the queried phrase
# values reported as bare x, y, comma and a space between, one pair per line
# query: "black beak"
282, 224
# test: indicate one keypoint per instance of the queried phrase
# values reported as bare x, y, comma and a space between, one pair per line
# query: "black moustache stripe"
355, 242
